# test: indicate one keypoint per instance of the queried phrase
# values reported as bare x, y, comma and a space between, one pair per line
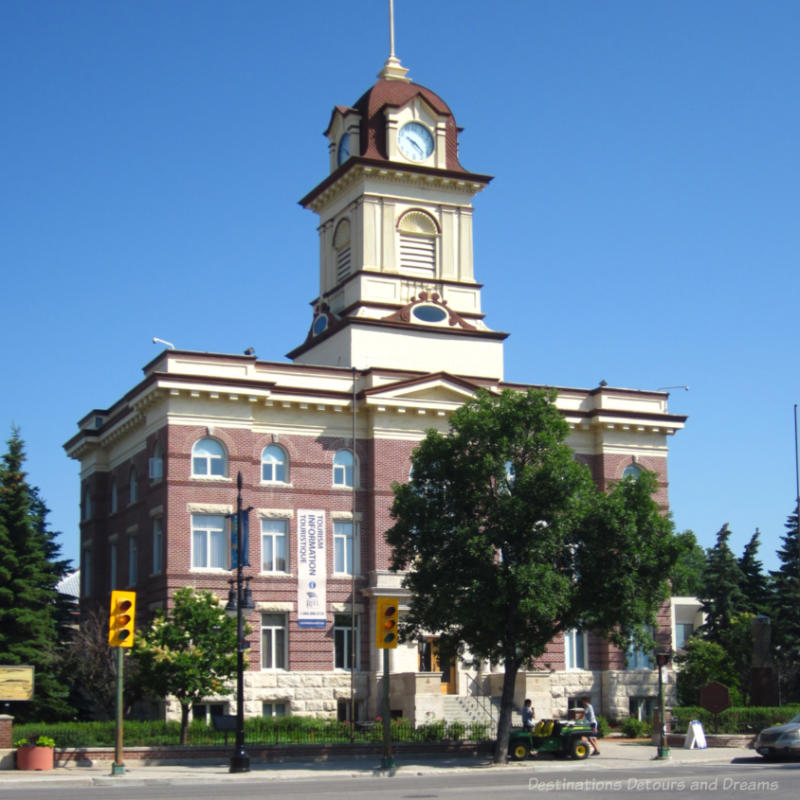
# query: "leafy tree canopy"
686, 577
508, 541
700, 663
188, 652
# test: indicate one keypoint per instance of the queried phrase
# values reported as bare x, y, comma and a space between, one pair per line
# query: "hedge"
736, 719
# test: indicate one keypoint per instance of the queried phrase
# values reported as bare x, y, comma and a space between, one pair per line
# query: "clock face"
344, 149
415, 141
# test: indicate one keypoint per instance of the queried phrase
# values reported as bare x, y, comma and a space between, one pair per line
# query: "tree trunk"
506, 706
184, 721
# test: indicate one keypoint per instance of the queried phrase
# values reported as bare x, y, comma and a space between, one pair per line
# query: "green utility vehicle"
551, 736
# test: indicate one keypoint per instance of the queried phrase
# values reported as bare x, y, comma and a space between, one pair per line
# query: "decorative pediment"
440, 391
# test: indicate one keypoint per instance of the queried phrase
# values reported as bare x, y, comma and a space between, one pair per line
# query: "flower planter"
37, 757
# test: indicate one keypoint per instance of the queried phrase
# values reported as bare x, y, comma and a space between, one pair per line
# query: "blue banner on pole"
245, 549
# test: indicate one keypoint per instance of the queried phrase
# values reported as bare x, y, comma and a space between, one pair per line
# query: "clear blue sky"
643, 227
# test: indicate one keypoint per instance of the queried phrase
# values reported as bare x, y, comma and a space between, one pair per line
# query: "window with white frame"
345, 552
209, 542
274, 639
343, 471
271, 708
205, 712
112, 565
273, 464
158, 545
575, 650
273, 545
133, 561
114, 499
134, 487
209, 458
343, 642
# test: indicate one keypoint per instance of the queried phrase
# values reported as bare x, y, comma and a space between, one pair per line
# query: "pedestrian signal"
122, 619
388, 613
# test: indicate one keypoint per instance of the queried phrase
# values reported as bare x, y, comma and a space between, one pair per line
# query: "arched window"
341, 245
209, 458
273, 464
134, 486
343, 468
417, 237
632, 471
114, 499
155, 465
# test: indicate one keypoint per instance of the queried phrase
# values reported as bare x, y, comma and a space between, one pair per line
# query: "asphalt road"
743, 778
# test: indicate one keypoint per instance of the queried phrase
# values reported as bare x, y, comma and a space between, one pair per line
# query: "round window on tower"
429, 313
320, 324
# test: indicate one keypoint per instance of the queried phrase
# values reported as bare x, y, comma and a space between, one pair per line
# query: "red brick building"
396, 343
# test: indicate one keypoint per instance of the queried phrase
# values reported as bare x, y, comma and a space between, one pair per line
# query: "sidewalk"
615, 755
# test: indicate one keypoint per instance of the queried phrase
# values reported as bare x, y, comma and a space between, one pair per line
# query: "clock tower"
396, 277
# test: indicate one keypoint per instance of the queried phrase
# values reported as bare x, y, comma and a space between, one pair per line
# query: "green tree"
722, 597
700, 663
785, 602
686, 577
29, 572
508, 541
188, 652
755, 584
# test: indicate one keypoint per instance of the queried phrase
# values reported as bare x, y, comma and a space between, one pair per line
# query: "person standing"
589, 716
527, 716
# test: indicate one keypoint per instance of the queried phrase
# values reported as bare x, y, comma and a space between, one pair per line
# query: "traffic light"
388, 613
122, 619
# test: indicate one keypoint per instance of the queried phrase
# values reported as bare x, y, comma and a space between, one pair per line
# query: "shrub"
478, 731
635, 728
456, 731
603, 726
431, 731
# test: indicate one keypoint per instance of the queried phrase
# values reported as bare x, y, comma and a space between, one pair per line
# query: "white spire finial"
393, 70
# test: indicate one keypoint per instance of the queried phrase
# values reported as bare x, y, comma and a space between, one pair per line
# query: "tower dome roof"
397, 93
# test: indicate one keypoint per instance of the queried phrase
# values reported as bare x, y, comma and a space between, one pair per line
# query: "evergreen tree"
755, 585
29, 573
786, 601
721, 597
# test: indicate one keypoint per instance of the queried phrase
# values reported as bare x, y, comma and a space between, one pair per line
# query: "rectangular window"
343, 549
342, 639
683, 631
133, 561
112, 567
575, 650
209, 542
273, 641
204, 712
639, 659
158, 546
273, 545
272, 709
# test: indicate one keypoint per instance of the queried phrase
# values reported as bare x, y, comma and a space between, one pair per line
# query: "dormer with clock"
395, 235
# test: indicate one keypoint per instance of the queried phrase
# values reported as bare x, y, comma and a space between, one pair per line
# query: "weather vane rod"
391, 29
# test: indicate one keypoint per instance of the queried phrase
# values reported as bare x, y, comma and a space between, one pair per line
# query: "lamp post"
240, 599
663, 657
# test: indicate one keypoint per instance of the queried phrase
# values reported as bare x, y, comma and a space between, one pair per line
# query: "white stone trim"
275, 606
346, 608
158, 511
347, 515
209, 508
275, 513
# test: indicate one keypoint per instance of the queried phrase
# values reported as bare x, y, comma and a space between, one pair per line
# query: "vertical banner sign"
245, 542
311, 569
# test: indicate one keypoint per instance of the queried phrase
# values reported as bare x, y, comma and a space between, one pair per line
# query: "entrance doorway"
429, 660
